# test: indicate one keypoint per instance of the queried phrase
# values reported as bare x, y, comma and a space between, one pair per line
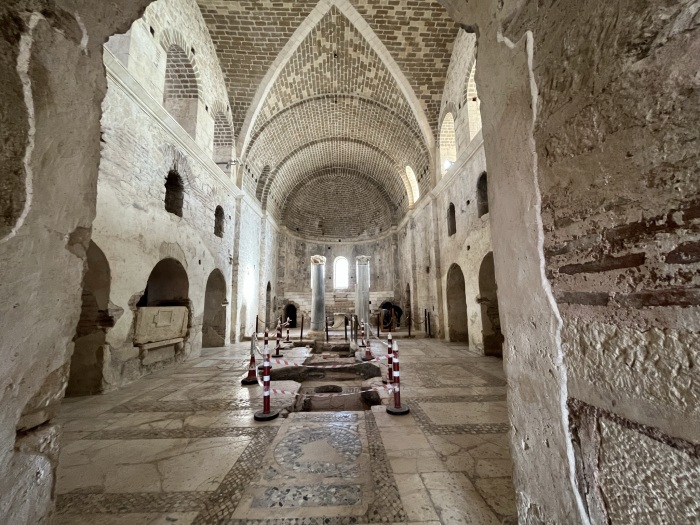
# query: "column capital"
363, 259
318, 259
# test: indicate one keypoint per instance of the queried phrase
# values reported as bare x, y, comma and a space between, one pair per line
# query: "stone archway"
488, 298
89, 354
290, 312
214, 322
457, 320
168, 285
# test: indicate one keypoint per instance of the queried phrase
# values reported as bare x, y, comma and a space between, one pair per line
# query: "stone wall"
50, 122
142, 144
591, 146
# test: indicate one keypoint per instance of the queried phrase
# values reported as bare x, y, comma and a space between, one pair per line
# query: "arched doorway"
268, 306
488, 298
290, 312
88, 360
457, 320
214, 322
168, 285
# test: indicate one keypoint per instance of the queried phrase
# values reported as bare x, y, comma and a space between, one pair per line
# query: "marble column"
318, 298
362, 289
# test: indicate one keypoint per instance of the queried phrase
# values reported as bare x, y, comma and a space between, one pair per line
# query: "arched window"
219, 222
451, 221
174, 193
181, 93
482, 194
340, 273
448, 146
473, 105
413, 183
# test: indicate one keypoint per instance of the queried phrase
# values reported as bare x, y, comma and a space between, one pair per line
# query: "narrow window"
473, 105
174, 193
451, 221
482, 195
219, 222
448, 144
340, 273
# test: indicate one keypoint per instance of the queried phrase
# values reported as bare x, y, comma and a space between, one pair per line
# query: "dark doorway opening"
457, 319
290, 312
90, 352
488, 298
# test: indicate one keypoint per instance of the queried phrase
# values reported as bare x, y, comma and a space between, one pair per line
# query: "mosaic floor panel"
181, 447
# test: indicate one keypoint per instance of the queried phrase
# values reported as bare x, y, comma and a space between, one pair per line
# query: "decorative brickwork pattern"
334, 59
249, 35
354, 156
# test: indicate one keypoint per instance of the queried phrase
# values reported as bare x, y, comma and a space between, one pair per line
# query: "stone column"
362, 288
318, 298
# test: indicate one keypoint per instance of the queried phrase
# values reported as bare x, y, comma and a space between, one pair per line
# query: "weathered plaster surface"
41, 265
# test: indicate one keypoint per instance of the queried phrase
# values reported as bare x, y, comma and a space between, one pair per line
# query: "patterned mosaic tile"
429, 427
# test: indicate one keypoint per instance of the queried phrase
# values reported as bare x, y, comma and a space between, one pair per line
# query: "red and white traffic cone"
389, 361
266, 414
251, 378
398, 409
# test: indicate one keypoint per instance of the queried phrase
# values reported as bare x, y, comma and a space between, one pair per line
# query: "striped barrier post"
266, 414
251, 378
362, 334
278, 343
289, 321
398, 409
390, 361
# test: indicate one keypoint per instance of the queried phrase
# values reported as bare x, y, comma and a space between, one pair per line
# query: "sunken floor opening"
333, 378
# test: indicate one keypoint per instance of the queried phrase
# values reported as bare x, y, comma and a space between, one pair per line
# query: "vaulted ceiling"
333, 91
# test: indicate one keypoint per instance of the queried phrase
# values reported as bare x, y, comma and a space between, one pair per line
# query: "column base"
401, 411
316, 335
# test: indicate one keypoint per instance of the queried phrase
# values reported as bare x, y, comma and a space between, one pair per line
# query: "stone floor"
181, 447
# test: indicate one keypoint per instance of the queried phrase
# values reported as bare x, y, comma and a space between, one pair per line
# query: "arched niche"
214, 320
457, 320
181, 93
168, 285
